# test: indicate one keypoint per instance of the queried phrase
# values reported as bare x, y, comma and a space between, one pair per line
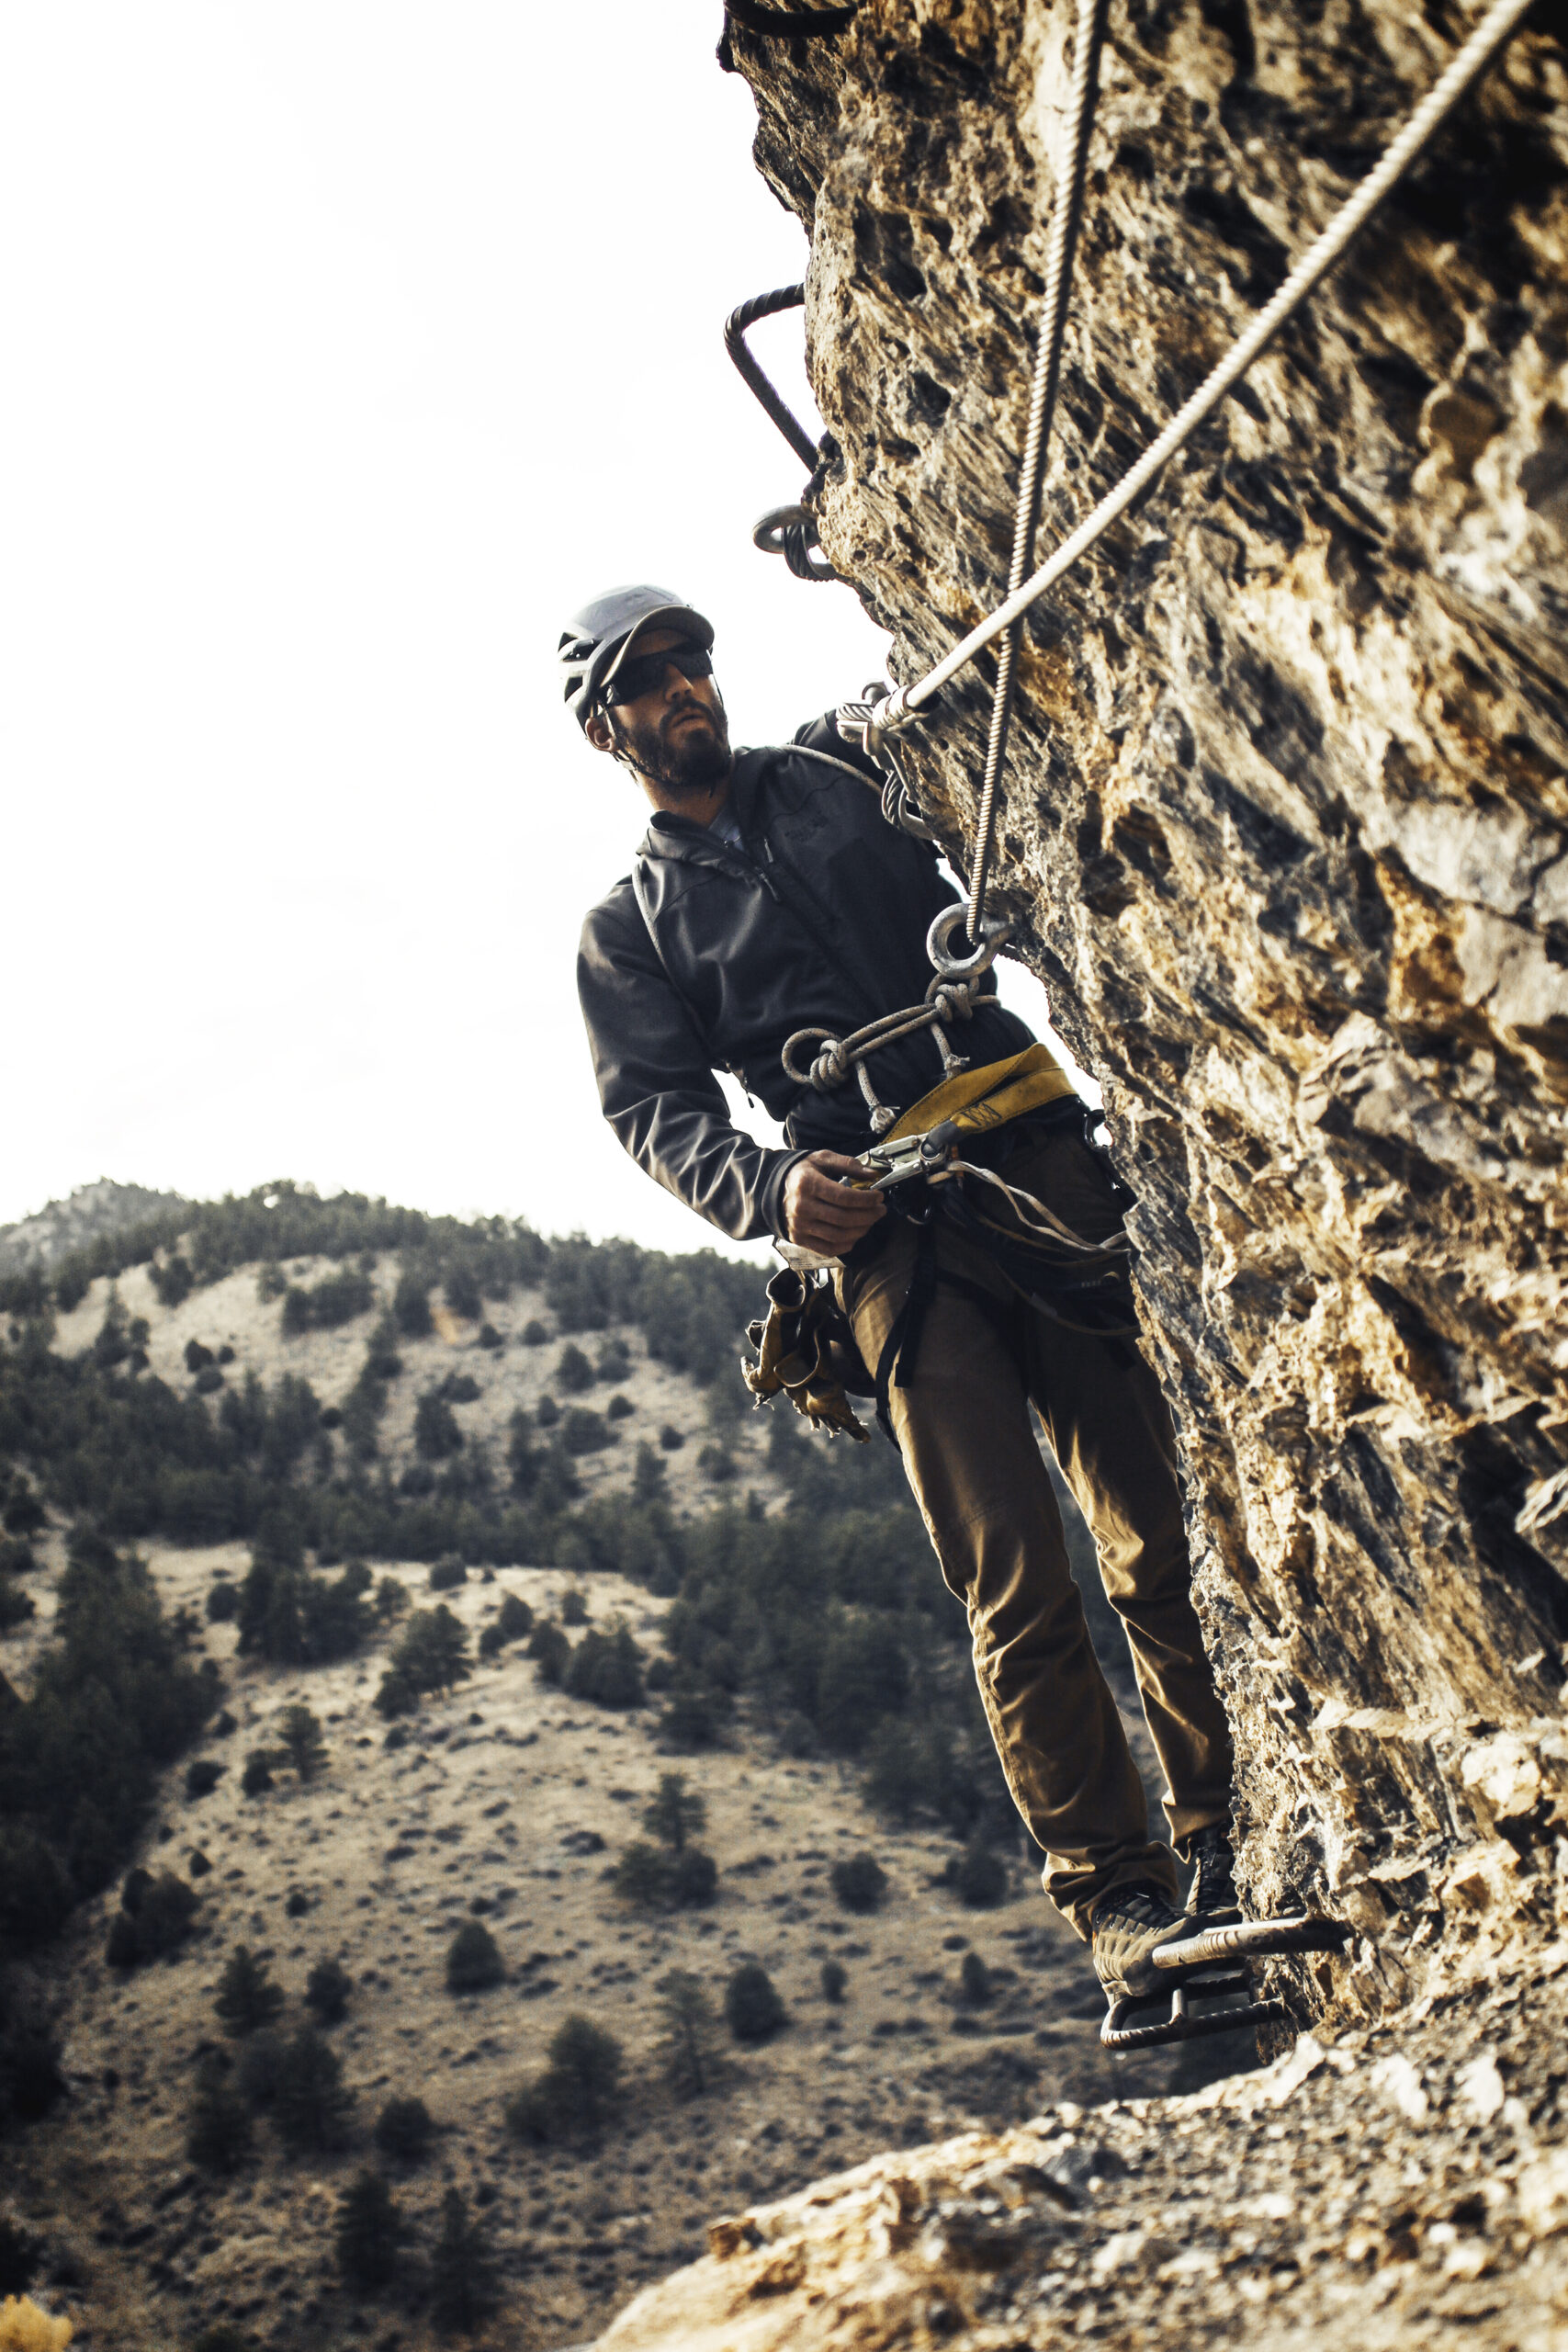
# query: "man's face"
675, 728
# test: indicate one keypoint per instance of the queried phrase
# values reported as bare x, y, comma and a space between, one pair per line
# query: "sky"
352, 347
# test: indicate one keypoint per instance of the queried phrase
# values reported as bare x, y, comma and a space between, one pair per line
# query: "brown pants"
970, 1453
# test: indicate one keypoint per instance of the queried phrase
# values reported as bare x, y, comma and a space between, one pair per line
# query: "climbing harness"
1198, 1972
945, 1002
789, 531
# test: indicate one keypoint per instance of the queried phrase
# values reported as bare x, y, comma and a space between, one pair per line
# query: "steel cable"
1065, 218
1471, 60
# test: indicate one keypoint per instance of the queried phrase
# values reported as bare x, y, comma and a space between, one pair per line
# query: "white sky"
350, 348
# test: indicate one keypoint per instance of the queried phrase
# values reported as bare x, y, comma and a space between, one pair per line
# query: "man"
769, 896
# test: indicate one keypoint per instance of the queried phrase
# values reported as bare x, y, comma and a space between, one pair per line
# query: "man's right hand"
821, 1211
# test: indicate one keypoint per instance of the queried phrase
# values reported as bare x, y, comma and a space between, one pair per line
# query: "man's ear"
598, 732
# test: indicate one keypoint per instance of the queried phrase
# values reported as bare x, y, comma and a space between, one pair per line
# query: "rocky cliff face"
1284, 831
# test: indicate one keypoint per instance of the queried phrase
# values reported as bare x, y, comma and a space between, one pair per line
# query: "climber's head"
640, 679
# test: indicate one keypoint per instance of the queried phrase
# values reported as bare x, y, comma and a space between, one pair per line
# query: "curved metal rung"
1255, 1940
979, 959
1185, 2027
746, 314
791, 531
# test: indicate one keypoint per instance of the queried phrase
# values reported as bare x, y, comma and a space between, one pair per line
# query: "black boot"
1212, 1899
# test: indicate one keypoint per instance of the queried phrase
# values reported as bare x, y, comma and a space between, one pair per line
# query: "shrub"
491, 1643
223, 1602
975, 1988
718, 1465
24, 1514
671, 1438
835, 1977
551, 1648
366, 2241
256, 1777
606, 1668
489, 1338
573, 1373
535, 1333
327, 1990
514, 1618
460, 1388
299, 1733
391, 1599
619, 1407
25, 2326
693, 1879
751, 2005
691, 1722
291, 1618
642, 1875
463, 2292
203, 1775
311, 2106
463, 1294
17, 1558
154, 1920
410, 1307
578, 2090
615, 1360
574, 1607
583, 1431
547, 1412
980, 1879
859, 1882
404, 2130
448, 1573
432, 1655
473, 1959
688, 2045
247, 1997
218, 2130
436, 1432
172, 1281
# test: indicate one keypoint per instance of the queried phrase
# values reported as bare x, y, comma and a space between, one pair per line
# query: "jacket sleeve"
656, 1086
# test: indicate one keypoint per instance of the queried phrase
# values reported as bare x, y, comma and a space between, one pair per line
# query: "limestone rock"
1284, 831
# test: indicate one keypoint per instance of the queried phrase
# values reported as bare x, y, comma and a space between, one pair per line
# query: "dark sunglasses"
641, 672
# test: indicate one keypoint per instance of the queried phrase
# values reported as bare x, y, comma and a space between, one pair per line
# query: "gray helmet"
596, 640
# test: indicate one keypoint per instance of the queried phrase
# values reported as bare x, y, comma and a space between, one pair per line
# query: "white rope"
1493, 29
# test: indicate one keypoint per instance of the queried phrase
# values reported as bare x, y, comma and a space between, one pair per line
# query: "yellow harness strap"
978, 1099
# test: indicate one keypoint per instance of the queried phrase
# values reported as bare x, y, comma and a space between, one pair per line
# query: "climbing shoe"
1212, 1899
1126, 1927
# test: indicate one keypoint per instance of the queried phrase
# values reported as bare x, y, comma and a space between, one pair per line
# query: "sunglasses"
641, 672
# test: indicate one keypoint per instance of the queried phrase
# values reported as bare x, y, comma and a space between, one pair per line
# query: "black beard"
695, 763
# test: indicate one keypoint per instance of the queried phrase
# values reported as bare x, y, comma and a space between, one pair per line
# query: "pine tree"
300, 1734
462, 2272
327, 1990
311, 2106
218, 2135
676, 1813
689, 2044
247, 1997
368, 2228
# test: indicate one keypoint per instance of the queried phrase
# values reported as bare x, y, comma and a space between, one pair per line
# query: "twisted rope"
1065, 218
1500, 20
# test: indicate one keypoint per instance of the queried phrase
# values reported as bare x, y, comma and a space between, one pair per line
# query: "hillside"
507, 1798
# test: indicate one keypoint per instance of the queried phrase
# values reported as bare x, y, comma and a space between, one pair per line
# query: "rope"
1065, 218
1499, 22
746, 314
946, 1001
793, 22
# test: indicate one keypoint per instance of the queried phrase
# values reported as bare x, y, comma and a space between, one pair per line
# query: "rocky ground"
1406, 2188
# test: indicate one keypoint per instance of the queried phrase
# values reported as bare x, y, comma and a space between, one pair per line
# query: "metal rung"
1255, 1940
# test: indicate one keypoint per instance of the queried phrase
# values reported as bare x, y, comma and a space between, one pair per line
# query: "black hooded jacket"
818, 921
